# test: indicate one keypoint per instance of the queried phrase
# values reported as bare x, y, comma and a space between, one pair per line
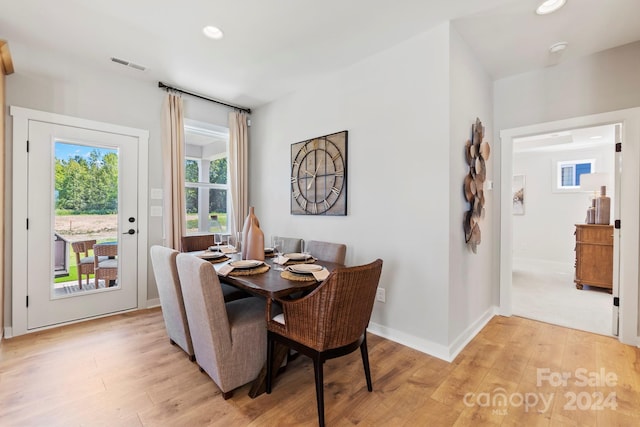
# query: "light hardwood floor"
122, 370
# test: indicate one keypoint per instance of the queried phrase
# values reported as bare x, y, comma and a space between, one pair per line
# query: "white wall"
401, 183
605, 81
119, 98
552, 213
472, 285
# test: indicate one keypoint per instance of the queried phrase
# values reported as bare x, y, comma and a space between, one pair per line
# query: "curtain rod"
164, 86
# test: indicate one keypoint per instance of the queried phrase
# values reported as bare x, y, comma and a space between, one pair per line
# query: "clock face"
319, 175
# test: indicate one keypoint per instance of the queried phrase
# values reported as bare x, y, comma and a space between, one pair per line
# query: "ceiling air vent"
128, 64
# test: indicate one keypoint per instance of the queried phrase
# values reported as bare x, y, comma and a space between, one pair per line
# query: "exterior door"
50, 303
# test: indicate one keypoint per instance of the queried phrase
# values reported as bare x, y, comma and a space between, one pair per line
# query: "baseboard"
446, 353
8, 332
151, 303
425, 346
542, 264
468, 334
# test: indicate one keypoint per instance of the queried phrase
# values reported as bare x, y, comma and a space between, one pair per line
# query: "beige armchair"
229, 340
175, 317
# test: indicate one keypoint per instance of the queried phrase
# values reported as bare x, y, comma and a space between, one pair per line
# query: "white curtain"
173, 166
238, 169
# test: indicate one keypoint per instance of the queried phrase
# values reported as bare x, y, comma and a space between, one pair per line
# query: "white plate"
296, 256
210, 255
305, 268
245, 263
268, 250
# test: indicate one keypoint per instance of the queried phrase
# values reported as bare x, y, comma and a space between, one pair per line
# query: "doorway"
73, 168
551, 175
625, 281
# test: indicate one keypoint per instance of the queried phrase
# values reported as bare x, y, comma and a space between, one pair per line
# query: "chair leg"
317, 367
79, 278
365, 362
227, 394
269, 361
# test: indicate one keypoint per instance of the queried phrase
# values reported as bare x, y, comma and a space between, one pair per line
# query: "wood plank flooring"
122, 371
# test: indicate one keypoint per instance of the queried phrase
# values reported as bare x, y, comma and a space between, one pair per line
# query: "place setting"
213, 256
245, 267
305, 272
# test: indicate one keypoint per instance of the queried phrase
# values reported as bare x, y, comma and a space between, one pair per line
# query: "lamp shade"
593, 181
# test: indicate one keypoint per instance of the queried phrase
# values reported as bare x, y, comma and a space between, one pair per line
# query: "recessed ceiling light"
550, 6
596, 137
558, 47
213, 32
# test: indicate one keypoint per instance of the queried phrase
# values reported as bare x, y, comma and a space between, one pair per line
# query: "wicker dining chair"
329, 322
105, 268
196, 243
84, 262
326, 251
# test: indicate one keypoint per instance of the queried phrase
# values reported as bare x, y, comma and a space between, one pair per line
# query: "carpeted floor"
551, 296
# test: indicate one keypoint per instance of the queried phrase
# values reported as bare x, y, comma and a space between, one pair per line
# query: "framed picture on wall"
517, 189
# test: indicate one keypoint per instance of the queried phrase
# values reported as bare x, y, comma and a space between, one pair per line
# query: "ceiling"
272, 48
573, 139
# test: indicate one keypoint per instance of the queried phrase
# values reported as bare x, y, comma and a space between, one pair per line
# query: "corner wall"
473, 290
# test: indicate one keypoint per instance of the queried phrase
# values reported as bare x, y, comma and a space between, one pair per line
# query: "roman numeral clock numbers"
319, 175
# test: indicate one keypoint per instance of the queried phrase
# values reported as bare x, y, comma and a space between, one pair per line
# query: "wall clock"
319, 175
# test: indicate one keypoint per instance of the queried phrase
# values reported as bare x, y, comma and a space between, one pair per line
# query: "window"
569, 172
206, 178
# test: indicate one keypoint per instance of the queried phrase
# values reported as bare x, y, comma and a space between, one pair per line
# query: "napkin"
228, 250
321, 275
282, 260
225, 269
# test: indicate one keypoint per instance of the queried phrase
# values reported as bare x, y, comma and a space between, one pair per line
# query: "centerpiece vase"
252, 238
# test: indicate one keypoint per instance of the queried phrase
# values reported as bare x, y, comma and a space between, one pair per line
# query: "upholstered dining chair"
201, 243
290, 244
326, 251
329, 322
105, 263
175, 317
229, 340
84, 262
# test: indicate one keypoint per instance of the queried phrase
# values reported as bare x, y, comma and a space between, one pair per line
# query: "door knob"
131, 231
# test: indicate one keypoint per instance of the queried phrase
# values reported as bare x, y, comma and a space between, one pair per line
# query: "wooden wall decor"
476, 154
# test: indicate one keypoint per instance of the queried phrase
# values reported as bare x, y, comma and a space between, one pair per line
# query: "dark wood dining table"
269, 284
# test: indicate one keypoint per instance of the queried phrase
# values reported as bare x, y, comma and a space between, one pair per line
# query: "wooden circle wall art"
476, 154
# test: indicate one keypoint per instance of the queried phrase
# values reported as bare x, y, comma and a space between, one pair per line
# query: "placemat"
218, 260
250, 271
297, 277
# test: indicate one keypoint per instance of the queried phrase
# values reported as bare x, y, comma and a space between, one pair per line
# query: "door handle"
131, 231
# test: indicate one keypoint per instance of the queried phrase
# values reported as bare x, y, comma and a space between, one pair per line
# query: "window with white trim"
206, 178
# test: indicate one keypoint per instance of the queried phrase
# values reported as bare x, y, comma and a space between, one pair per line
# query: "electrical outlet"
380, 295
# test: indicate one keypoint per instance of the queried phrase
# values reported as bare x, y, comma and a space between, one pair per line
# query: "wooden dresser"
594, 256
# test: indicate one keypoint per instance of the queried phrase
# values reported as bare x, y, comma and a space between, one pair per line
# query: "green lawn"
192, 221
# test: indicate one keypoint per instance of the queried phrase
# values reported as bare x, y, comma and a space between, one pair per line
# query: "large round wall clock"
319, 175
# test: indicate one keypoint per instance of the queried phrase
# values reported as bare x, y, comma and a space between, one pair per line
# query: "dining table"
270, 284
